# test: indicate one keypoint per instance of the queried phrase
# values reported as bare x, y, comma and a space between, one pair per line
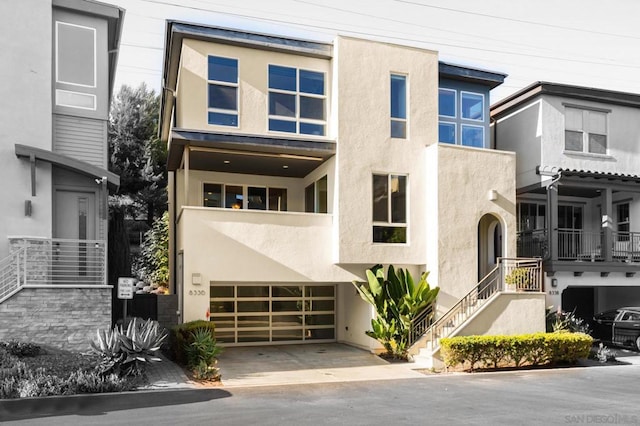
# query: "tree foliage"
139, 158
153, 264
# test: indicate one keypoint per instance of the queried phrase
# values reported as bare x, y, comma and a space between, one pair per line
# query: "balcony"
256, 245
577, 247
38, 262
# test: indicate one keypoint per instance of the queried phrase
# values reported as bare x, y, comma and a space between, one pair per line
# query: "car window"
626, 316
634, 316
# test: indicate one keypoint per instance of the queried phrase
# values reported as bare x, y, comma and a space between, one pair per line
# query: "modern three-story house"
58, 65
295, 165
578, 190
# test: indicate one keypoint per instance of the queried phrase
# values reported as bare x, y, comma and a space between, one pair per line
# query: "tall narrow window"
222, 77
75, 66
315, 196
398, 106
297, 101
622, 222
585, 130
389, 209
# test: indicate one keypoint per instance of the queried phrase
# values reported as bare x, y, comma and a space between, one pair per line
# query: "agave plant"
126, 352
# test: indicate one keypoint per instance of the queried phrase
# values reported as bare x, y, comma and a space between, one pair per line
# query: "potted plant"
518, 279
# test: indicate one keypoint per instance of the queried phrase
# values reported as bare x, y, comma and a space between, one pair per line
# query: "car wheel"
638, 344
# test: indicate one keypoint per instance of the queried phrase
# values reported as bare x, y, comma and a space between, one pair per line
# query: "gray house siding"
80, 138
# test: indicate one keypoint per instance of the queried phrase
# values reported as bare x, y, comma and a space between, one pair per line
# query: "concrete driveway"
312, 363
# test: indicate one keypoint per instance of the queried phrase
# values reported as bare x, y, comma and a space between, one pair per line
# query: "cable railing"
11, 274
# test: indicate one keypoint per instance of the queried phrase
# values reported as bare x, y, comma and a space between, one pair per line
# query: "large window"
531, 216
297, 101
462, 117
585, 130
222, 76
244, 197
398, 106
315, 196
389, 209
75, 66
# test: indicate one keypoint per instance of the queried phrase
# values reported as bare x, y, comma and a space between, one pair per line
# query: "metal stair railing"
529, 279
12, 276
420, 323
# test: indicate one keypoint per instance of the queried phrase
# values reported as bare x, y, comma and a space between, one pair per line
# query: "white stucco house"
295, 165
57, 68
578, 190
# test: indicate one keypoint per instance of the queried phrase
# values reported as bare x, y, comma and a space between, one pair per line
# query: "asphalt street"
591, 395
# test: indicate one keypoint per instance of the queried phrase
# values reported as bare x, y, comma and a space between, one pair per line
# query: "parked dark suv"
619, 326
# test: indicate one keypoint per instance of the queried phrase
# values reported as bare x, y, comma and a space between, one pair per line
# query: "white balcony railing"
43, 262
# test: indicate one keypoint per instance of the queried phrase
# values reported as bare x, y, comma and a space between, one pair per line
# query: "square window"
472, 106
447, 103
472, 136
282, 104
223, 69
283, 78
447, 132
585, 130
311, 82
223, 97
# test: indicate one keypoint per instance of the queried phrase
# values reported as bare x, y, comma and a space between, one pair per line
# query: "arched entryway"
490, 243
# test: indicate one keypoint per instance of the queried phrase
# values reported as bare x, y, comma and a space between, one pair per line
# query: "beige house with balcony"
295, 165
59, 60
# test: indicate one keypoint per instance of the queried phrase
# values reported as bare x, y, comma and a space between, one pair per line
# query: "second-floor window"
585, 130
398, 106
315, 196
75, 66
462, 118
531, 216
297, 101
622, 222
222, 76
389, 208
244, 197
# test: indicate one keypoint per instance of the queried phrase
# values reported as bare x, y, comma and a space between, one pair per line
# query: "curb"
99, 403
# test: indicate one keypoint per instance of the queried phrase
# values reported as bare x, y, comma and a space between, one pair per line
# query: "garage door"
264, 314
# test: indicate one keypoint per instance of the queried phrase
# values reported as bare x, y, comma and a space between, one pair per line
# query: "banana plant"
397, 299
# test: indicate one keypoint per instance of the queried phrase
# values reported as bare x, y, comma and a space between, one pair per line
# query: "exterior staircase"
508, 276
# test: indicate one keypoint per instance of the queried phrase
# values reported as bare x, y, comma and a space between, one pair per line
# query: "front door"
74, 257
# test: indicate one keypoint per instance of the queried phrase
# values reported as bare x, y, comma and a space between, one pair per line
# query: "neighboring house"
295, 165
578, 186
57, 70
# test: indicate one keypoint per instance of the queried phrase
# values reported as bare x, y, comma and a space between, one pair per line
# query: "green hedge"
181, 335
532, 349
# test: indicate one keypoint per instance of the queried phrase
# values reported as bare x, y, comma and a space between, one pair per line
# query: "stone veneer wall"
63, 317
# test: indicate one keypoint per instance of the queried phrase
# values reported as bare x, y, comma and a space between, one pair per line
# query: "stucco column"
552, 221
607, 224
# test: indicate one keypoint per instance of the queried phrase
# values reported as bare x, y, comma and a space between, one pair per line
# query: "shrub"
21, 349
42, 384
181, 336
94, 382
536, 349
566, 321
202, 354
126, 352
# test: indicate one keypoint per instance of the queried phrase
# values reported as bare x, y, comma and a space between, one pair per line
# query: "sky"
588, 43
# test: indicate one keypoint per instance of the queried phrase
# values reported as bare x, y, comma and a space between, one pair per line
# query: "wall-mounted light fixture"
196, 278
28, 208
554, 282
492, 195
